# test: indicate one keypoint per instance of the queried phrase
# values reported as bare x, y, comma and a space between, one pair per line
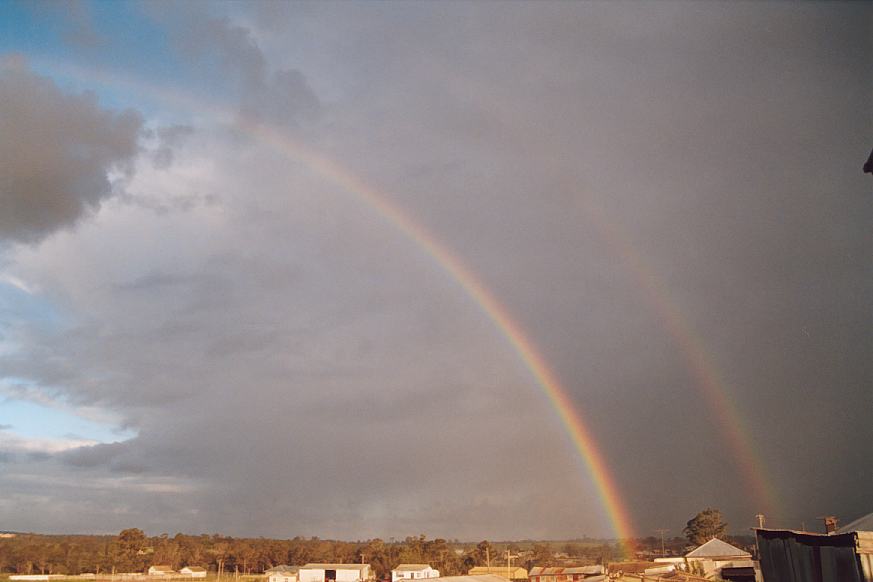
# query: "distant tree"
541, 555
130, 543
704, 526
484, 553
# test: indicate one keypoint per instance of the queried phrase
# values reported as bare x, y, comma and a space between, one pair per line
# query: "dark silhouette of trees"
704, 526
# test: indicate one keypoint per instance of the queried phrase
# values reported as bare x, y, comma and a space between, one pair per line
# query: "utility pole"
662, 532
509, 558
488, 558
760, 518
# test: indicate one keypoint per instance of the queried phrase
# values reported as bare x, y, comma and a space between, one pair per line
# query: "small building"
334, 572
160, 571
283, 573
561, 574
507, 573
413, 572
194, 572
709, 558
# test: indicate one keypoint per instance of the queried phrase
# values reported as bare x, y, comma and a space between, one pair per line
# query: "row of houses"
187, 571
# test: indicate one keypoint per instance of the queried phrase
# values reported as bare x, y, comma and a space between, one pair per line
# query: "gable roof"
516, 572
282, 568
715, 548
411, 567
863, 523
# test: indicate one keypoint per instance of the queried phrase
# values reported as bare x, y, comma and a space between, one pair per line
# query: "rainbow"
579, 434
547, 381
705, 373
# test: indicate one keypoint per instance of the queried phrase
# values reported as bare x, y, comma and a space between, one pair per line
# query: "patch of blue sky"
17, 305
28, 419
135, 62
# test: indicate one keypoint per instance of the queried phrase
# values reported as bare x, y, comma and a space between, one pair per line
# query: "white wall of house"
193, 573
342, 575
423, 573
283, 577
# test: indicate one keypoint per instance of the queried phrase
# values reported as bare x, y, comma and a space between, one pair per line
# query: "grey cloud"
291, 358
282, 96
169, 138
56, 151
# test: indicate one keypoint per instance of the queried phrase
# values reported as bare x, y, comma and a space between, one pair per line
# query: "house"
194, 572
560, 574
474, 578
844, 555
413, 572
334, 572
709, 558
507, 573
160, 571
283, 573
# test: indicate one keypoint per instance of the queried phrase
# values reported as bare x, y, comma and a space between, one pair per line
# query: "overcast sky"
202, 331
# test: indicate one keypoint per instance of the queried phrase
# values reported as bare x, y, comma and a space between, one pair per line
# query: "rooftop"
716, 548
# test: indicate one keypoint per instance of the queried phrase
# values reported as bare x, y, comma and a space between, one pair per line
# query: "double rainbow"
699, 363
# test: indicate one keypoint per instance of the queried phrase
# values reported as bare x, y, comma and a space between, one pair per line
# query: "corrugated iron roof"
411, 567
716, 548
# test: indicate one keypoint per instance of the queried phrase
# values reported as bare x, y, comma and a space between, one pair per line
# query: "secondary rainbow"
703, 370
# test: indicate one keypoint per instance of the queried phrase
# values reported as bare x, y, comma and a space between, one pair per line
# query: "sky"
245, 252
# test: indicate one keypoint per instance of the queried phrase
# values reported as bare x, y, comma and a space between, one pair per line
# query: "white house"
161, 571
334, 573
283, 573
193, 571
413, 572
714, 555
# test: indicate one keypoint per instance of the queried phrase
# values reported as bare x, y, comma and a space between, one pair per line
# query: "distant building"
513, 573
194, 571
560, 574
283, 573
6, 534
334, 572
160, 571
413, 572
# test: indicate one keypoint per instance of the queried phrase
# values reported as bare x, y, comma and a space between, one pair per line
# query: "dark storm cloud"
56, 153
287, 357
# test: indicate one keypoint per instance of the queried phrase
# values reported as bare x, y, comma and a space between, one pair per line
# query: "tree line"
133, 551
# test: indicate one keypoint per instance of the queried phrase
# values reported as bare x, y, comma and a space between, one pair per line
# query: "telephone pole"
662, 532
509, 558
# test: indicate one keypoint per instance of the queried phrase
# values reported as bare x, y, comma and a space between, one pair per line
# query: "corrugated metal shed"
792, 556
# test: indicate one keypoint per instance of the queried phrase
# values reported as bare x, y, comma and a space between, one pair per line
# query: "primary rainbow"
548, 382
579, 434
